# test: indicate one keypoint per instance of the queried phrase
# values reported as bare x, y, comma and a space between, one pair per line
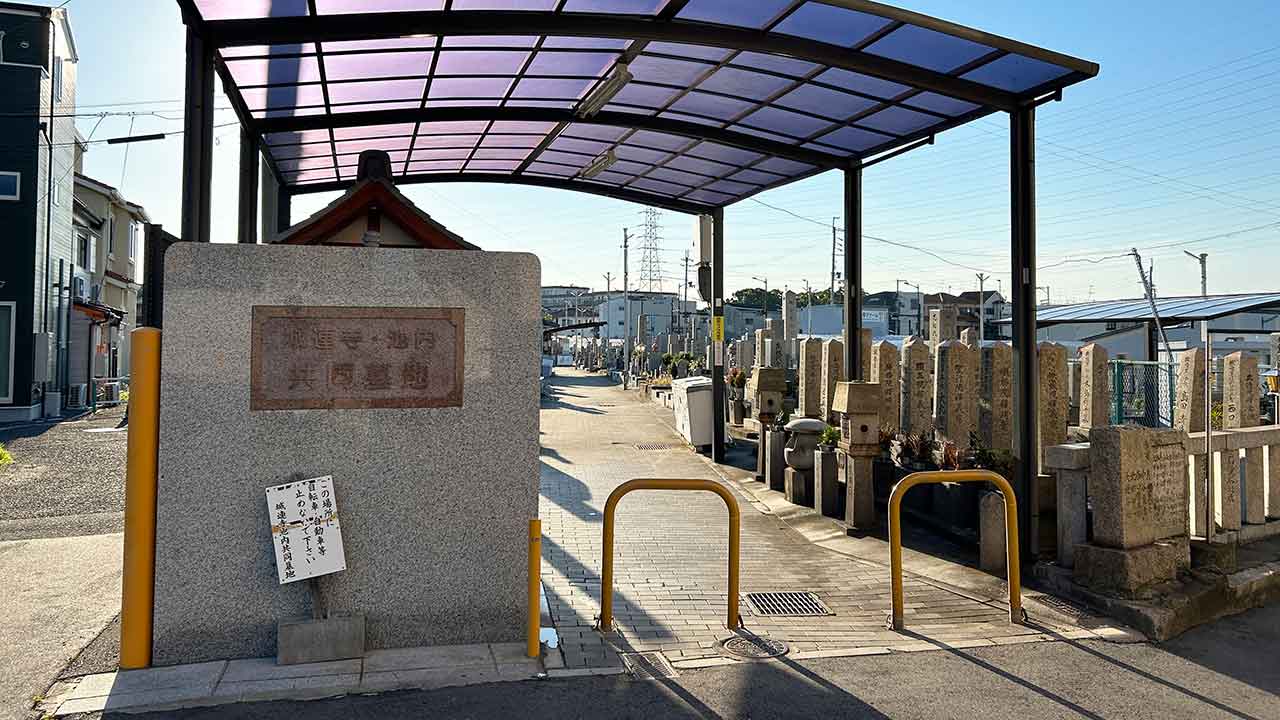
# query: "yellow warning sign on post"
717, 328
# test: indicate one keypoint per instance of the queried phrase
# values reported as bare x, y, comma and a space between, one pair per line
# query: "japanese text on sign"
305, 530
342, 358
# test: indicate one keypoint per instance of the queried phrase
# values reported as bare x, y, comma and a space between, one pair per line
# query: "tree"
756, 297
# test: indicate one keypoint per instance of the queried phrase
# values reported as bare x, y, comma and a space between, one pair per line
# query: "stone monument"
810, 386
856, 404
1053, 395
995, 409
1188, 408
1138, 491
790, 329
956, 399
799, 456
969, 337
760, 353
886, 369
376, 368
917, 386
942, 325
1095, 386
1241, 399
832, 373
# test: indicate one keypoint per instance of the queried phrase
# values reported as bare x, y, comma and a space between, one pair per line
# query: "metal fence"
107, 392
1142, 392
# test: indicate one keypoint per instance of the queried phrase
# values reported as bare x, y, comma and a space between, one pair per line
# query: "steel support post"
197, 139
717, 335
248, 226
853, 273
1026, 380
284, 208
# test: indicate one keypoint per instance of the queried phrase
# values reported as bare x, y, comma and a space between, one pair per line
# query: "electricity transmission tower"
651, 251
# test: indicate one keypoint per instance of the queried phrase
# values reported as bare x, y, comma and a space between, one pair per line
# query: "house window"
10, 186
56, 197
84, 251
57, 79
133, 238
7, 314
111, 237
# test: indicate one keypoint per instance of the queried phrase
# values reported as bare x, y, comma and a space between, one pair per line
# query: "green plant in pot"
828, 439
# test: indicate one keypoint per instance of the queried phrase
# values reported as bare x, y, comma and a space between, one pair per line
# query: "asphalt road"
66, 479
1224, 670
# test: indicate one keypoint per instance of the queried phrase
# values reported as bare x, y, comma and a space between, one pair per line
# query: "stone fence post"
1095, 387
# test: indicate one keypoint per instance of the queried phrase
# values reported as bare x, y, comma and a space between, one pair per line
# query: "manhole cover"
649, 665
752, 647
787, 604
655, 446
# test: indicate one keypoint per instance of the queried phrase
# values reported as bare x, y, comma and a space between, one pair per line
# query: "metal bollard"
138, 592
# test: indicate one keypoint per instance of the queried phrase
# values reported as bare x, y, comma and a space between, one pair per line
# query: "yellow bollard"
138, 595
1010, 534
534, 641
611, 505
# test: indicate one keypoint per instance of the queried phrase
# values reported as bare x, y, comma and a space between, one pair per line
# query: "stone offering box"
766, 389
410, 376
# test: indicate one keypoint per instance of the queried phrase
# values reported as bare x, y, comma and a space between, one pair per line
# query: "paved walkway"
671, 552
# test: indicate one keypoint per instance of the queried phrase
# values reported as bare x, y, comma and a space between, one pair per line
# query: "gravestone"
942, 325
1275, 350
956, 399
747, 356
769, 352
810, 379
1053, 395
1095, 386
995, 411
917, 386
774, 336
761, 356
886, 369
1188, 408
1241, 396
371, 366
969, 337
790, 328
832, 373
864, 336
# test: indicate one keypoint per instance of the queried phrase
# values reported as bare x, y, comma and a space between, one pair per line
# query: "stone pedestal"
737, 412
942, 325
886, 371
1095, 386
798, 486
827, 498
992, 556
1127, 572
860, 505
917, 386
1072, 513
775, 447
969, 338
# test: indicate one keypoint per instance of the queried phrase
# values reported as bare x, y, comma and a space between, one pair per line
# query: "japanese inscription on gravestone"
346, 358
305, 530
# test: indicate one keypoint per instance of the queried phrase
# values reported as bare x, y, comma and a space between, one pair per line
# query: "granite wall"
433, 502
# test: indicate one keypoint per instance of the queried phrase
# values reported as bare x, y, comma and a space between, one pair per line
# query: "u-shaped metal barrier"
611, 505
1010, 532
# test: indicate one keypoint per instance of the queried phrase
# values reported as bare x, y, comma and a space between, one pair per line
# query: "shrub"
5, 456
829, 437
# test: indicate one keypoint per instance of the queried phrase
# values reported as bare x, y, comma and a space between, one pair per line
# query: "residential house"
37, 106
901, 308
967, 306
108, 282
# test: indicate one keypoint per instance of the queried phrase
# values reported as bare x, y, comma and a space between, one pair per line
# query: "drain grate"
656, 446
787, 604
753, 647
1066, 607
649, 665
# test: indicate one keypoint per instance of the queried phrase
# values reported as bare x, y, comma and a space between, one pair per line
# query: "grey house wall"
434, 502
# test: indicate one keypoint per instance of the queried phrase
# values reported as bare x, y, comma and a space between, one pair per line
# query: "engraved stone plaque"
350, 358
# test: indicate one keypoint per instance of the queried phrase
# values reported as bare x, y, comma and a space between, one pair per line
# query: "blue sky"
1174, 147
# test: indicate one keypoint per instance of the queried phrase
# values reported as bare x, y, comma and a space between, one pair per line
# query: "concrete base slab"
319, 640
221, 682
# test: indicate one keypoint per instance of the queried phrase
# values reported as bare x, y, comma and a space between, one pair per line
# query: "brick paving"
671, 550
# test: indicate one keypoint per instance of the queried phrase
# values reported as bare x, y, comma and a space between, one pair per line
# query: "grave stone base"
799, 486
1127, 572
775, 446
827, 498
860, 504
308, 640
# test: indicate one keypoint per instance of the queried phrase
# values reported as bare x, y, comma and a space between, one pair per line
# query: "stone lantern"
798, 478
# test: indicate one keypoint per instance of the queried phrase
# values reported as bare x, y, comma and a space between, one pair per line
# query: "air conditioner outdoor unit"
79, 395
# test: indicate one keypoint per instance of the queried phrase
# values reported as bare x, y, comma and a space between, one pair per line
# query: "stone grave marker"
1241, 398
917, 386
760, 355
1188, 408
956, 399
1053, 395
790, 328
810, 379
1137, 484
886, 369
942, 325
832, 373
995, 411
1095, 386
969, 337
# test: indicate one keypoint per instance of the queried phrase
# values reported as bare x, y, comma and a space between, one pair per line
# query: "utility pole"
608, 304
1045, 288
982, 303
626, 315
1151, 300
808, 320
684, 305
1204, 259
833, 259
765, 305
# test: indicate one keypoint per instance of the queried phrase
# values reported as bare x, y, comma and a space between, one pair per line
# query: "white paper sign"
304, 529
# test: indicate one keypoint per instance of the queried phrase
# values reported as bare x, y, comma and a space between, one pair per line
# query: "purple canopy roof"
726, 98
